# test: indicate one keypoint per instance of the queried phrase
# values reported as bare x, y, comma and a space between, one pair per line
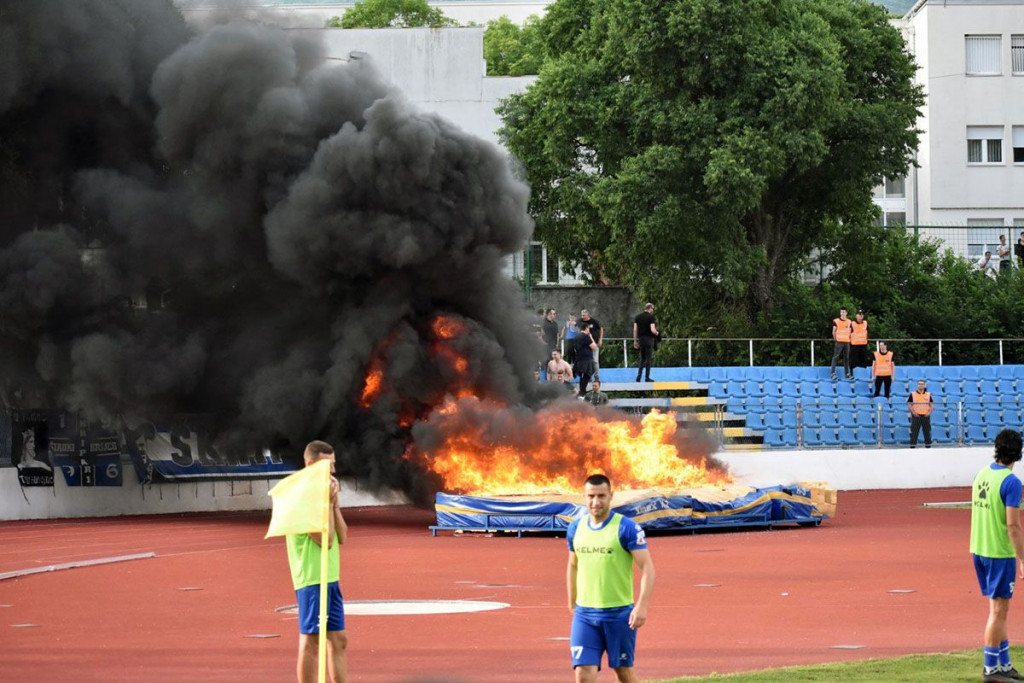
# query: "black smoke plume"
227, 224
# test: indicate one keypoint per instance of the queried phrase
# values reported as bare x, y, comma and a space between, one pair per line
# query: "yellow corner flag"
300, 500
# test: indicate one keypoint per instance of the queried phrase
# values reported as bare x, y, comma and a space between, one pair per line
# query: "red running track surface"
785, 596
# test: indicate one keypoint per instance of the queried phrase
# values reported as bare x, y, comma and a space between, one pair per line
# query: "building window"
984, 144
895, 187
895, 218
982, 55
1018, 144
1017, 54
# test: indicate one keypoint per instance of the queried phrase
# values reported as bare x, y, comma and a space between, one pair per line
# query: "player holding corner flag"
306, 512
603, 546
997, 544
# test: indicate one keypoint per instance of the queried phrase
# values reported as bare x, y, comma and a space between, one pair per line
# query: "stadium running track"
780, 597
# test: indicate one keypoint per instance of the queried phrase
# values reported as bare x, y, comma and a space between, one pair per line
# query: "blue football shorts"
594, 634
996, 575
309, 608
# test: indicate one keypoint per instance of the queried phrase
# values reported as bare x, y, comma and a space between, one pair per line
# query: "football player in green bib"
603, 547
997, 543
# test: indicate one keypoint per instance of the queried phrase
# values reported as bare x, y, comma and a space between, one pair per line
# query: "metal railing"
992, 351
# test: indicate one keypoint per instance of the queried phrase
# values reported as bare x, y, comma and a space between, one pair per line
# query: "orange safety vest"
860, 333
883, 364
922, 403
843, 328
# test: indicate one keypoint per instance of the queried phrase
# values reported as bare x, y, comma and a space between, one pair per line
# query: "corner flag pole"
325, 540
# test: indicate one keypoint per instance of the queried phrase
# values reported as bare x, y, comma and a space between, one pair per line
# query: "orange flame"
374, 384
485, 450
447, 328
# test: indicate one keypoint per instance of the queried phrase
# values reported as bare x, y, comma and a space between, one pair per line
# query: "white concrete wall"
133, 498
440, 71
950, 191
841, 469
854, 469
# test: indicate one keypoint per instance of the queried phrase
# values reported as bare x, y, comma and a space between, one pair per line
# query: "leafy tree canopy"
391, 14
511, 50
700, 151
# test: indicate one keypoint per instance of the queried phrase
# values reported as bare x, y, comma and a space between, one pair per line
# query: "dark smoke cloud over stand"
288, 222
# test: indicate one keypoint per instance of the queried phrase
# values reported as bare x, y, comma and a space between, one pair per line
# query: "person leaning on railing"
920, 405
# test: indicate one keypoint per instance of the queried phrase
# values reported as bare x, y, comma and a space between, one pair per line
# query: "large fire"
485, 449
480, 446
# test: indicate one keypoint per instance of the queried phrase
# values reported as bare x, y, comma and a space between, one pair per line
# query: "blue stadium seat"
974, 433
808, 389
828, 388
811, 417
867, 436
734, 387
753, 388
772, 437
994, 416
1014, 371
789, 402
988, 371
845, 389
901, 433
756, 418
773, 419
829, 418
847, 436
789, 437
968, 372
699, 375
772, 373
790, 389
973, 415
989, 387
789, 418
940, 415
861, 374
716, 388
738, 406
847, 418
970, 388
830, 437
812, 437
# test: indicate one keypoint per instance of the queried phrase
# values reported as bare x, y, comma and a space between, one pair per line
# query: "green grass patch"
963, 665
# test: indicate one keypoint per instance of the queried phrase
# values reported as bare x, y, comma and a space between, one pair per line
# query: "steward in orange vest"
920, 405
883, 369
842, 327
859, 342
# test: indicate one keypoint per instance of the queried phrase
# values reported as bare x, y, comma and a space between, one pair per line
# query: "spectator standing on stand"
645, 336
883, 369
841, 330
984, 264
1018, 249
586, 347
569, 332
597, 332
997, 548
920, 405
1003, 252
859, 342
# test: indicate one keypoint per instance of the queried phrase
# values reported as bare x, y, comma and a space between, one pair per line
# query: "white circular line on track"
407, 607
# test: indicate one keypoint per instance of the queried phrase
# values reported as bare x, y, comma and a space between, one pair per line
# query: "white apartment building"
970, 173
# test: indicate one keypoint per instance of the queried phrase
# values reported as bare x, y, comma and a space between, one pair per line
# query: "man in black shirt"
645, 336
549, 334
597, 332
585, 349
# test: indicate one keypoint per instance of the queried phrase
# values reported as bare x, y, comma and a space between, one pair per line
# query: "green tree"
511, 50
391, 14
698, 151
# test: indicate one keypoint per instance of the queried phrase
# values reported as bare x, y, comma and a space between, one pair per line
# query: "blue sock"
991, 659
1004, 655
